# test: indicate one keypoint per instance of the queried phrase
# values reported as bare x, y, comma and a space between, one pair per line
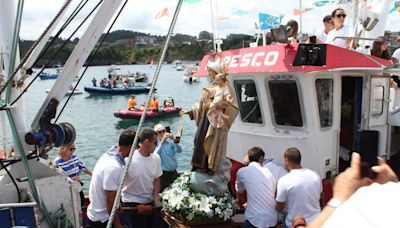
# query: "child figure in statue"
222, 98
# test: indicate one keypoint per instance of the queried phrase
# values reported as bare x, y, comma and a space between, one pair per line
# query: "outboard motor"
49, 134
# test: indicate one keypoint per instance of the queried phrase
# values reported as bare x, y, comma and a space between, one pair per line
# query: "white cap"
159, 127
215, 67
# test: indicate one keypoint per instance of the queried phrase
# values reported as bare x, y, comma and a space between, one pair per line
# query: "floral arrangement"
180, 199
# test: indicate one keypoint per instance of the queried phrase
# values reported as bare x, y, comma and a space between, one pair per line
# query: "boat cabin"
325, 100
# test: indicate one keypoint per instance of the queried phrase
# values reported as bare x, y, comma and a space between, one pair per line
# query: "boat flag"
396, 7
268, 21
300, 11
162, 13
220, 18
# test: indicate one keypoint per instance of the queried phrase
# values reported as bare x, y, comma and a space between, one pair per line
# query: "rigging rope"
29, 52
142, 118
55, 54
89, 61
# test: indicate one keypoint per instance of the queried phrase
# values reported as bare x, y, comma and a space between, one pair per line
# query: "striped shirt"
72, 167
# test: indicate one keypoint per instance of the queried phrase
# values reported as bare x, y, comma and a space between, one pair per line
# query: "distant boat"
180, 68
46, 75
117, 90
188, 75
76, 92
150, 114
132, 77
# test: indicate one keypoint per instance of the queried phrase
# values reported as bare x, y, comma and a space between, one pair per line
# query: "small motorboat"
188, 75
76, 92
117, 90
47, 76
150, 114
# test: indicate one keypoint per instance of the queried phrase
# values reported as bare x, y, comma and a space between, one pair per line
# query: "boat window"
285, 102
377, 101
248, 101
324, 89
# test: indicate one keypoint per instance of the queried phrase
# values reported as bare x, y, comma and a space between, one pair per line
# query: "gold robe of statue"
209, 142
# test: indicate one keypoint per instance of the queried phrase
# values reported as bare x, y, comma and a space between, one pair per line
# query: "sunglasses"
162, 131
72, 149
340, 15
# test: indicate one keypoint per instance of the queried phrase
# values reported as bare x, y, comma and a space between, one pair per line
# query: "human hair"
377, 51
294, 28
293, 155
147, 133
255, 154
335, 10
127, 136
327, 18
62, 149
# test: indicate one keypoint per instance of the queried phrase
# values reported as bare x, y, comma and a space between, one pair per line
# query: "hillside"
130, 47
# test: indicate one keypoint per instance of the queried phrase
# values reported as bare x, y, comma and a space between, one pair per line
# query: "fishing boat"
150, 114
129, 77
117, 90
325, 100
289, 95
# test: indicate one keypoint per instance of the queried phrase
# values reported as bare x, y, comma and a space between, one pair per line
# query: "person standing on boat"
299, 190
259, 184
94, 81
293, 27
167, 149
339, 30
142, 184
72, 165
105, 181
323, 33
209, 142
131, 103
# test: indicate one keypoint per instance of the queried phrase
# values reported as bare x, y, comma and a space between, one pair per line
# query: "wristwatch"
335, 203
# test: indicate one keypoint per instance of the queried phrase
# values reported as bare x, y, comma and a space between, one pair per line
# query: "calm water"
92, 115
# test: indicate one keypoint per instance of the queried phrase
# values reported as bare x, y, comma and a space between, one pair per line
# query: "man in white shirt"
323, 33
259, 184
105, 181
299, 190
142, 184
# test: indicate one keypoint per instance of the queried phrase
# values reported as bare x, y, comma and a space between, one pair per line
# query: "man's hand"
384, 172
350, 180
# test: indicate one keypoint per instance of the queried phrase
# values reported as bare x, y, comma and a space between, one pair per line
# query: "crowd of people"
269, 193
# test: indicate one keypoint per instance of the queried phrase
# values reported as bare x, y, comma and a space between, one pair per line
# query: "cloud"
193, 17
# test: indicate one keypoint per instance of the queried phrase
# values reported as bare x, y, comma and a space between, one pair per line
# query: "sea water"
92, 115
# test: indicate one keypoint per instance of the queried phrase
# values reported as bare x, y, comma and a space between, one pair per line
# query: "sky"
139, 15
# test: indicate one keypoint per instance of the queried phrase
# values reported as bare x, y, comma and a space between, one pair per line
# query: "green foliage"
119, 48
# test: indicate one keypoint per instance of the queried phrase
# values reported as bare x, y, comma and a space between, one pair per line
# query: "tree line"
120, 47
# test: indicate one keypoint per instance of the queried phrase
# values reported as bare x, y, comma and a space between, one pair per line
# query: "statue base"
175, 220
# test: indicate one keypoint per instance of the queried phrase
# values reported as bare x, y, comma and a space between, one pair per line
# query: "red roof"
279, 58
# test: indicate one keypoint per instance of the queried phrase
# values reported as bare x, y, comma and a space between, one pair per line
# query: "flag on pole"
268, 21
162, 13
396, 7
300, 11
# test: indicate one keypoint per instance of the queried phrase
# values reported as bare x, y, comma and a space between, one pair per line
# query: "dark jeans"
167, 178
98, 224
135, 219
247, 224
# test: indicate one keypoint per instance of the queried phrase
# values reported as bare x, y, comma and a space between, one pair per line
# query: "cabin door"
378, 102
350, 118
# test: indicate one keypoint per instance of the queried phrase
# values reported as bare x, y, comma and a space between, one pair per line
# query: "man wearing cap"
323, 33
167, 148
